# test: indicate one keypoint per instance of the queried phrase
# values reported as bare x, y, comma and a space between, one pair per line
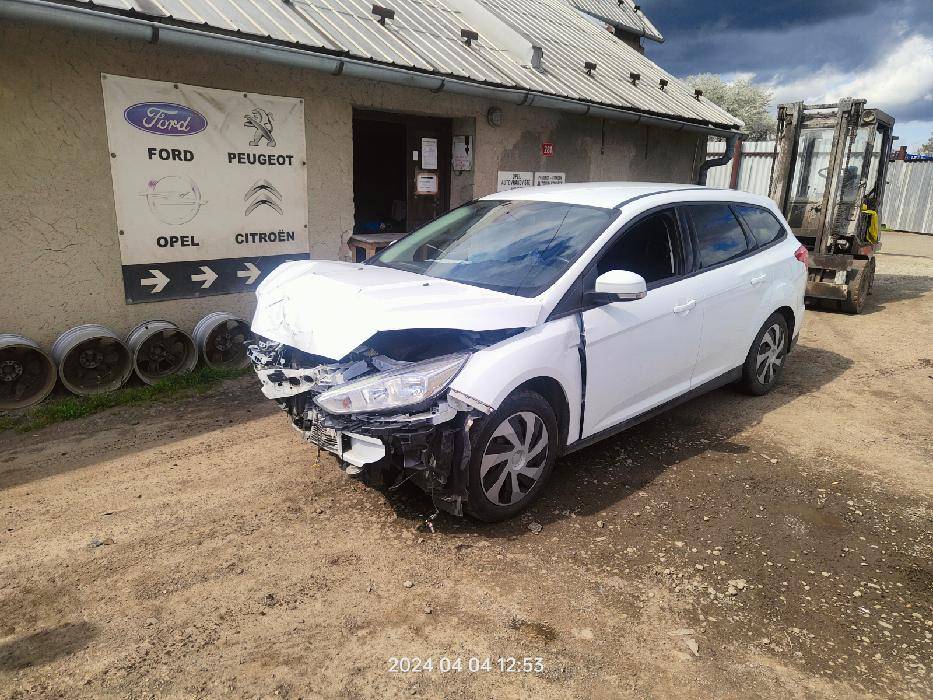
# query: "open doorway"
380, 197
401, 176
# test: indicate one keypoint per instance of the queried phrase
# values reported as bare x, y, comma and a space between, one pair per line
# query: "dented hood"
331, 308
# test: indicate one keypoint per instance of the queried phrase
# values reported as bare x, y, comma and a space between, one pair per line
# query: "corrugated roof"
425, 36
621, 14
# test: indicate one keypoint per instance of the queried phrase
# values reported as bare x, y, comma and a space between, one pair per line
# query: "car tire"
766, 357
513, 456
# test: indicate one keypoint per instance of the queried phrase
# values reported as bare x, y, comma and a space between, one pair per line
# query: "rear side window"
762, 223
719, 235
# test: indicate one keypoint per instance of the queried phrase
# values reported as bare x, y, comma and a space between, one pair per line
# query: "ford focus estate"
470, 355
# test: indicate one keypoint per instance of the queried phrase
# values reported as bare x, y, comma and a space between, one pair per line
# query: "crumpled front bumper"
430, 447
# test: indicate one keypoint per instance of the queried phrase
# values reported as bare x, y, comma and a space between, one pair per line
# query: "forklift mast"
828, 179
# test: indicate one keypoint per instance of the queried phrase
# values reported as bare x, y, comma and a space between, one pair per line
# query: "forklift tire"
858, 289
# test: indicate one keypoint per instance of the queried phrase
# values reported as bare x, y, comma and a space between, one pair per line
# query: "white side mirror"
622, 285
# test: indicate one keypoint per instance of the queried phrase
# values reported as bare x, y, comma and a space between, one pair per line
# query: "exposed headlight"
386, 391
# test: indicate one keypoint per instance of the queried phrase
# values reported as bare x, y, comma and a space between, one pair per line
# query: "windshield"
518, 247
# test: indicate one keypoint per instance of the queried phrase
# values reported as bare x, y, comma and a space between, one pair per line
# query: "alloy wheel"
771, 352
514, 458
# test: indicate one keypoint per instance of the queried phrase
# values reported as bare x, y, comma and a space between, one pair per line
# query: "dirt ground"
734, 547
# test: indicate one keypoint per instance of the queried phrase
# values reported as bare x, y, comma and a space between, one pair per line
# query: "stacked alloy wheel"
92, 359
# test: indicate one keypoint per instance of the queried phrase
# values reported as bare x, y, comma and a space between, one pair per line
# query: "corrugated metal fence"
908, 199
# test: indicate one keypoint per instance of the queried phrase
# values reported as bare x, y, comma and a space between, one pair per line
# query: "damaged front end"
384, 410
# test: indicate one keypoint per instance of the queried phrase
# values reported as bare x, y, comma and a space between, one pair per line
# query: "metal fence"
908, 199
752, 169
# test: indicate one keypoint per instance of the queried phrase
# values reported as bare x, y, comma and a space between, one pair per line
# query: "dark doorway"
398, 183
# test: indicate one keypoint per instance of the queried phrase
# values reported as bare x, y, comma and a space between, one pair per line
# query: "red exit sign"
547, 149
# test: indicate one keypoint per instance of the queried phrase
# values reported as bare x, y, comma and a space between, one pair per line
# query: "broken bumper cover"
429, 446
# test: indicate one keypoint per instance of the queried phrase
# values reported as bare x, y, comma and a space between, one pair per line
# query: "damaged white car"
471, 354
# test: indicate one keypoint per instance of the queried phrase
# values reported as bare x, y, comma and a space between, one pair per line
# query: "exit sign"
547, 149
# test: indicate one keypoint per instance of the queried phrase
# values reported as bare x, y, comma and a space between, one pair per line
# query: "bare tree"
741, 98
927, 148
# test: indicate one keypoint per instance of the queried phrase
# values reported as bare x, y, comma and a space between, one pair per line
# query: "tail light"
803, 255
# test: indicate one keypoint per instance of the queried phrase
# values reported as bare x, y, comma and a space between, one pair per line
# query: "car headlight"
397, 388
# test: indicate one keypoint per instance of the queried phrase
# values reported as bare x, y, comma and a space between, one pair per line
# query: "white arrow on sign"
206, 278
251, 273
157, 281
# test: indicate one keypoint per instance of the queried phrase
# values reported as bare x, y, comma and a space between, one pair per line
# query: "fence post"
736, 164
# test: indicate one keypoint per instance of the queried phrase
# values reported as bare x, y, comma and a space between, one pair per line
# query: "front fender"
550, 350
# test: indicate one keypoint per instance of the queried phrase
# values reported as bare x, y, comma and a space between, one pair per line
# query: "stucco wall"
61, 258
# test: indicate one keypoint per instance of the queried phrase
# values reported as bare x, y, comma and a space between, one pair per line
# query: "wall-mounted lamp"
494, 116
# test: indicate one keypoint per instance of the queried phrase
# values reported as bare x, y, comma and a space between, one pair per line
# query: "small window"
719, 235
651, 248
762, 223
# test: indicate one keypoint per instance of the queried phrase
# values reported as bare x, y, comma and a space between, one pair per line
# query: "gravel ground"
734, 547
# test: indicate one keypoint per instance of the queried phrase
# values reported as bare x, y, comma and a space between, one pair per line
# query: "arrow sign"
251, 273
157, 281
206, 279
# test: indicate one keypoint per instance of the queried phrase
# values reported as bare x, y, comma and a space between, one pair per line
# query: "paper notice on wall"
462, 155
429, 154
549, 179
426, 183
210, 186
511, 180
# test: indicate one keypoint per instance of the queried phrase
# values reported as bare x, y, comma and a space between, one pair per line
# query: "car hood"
331, 308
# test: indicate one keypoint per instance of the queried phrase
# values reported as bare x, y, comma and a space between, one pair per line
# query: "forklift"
828, 179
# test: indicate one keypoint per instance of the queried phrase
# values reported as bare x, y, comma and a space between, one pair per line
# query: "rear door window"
761, 222
719, 235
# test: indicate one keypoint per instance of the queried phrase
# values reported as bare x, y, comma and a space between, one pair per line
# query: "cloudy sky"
815, 50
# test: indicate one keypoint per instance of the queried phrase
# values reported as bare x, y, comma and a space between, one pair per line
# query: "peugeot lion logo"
261, 121
174, 199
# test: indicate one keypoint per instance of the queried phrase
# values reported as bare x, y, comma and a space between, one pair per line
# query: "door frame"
444, 125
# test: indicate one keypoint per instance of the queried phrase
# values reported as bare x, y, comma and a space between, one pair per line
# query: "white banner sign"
210, 186
509, 180
549, 179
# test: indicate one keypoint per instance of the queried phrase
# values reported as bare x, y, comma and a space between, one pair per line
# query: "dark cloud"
675, 15
786, 42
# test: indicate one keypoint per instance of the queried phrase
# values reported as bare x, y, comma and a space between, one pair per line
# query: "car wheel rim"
514, 458
770, 354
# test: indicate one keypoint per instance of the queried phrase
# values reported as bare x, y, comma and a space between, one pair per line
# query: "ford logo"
165, 118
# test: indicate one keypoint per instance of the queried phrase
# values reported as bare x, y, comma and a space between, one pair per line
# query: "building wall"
61, 261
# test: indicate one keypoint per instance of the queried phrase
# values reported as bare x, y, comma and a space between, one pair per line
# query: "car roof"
612, 194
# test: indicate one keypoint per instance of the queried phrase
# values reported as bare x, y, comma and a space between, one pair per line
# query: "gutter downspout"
140, 29
731, 140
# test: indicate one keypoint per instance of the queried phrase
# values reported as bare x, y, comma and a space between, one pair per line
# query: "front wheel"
513, 457
765, 360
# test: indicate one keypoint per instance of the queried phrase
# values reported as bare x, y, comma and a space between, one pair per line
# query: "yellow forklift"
828, 179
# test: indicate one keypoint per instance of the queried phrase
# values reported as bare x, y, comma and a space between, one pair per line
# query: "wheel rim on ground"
770, 353
514, 458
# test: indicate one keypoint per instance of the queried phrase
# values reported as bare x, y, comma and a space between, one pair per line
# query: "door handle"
685, 307
758, 280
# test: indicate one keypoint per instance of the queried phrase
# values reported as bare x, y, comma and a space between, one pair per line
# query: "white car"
470, 355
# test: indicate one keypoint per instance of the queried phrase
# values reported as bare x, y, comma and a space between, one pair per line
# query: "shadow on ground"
630, 461
45, 646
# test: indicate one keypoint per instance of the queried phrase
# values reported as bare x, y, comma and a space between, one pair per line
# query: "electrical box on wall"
462, 153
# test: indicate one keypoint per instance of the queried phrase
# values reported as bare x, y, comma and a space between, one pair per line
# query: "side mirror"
619, 285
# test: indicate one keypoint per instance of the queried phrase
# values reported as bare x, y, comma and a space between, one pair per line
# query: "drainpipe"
141, 29
721, 160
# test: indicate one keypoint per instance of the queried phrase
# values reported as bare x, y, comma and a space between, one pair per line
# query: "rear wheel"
859, 288
513, 457
765, 360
